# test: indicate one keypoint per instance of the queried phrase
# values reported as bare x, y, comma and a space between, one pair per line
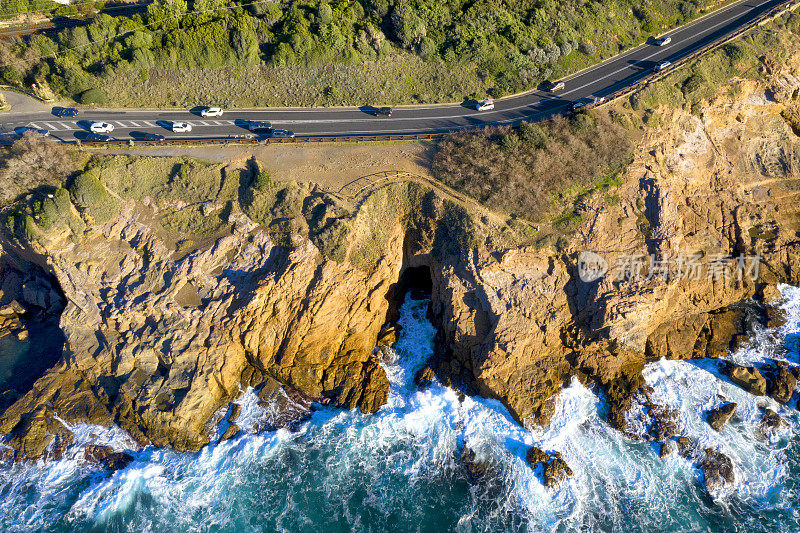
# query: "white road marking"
50, 126
66, 125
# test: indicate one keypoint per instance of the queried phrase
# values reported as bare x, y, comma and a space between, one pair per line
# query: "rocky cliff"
182, 289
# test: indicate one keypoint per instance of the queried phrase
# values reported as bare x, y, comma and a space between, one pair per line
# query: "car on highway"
663, 41
211, 112
65, 112
486, 105
383, 112
259, 126
555, 86
101, 127
97, 137
153, 137
577, 105
663, 65
181, 127
22, 130
282, 134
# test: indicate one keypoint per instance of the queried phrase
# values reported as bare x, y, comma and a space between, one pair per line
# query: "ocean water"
399, 469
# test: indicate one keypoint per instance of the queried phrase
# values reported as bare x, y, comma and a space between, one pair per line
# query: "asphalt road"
605, 78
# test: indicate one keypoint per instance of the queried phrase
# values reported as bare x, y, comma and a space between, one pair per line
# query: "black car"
153, 137
97, 137
63, 112
258, 126
383, 112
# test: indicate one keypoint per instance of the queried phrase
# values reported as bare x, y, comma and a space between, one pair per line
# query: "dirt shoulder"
329, 165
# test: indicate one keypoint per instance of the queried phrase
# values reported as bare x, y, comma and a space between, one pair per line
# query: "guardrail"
263, 141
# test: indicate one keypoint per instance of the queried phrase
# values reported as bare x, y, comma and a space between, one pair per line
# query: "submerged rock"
475, 467
106, 456
772, 423
718, 472
719, 417
668, 448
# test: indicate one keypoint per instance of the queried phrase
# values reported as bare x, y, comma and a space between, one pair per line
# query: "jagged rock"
535, 455
388, 335
229, 433
718, 472
424, 377
749, 378
554, 469
719, 417
34, 433
23, 334
686, 447
476, 468
234, 412
772, 423
668, 448
106, 456
781, 382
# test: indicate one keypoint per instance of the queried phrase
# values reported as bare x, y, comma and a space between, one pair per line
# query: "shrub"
89, 194
262, 181
93, 96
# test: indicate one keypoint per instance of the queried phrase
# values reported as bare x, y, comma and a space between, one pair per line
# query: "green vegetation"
332, 51
748, 57
539, 171
91, 196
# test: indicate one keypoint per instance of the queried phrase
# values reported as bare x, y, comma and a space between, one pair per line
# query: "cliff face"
296, 284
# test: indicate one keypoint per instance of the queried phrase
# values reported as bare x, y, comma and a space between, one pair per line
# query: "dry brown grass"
528, 174
30, 163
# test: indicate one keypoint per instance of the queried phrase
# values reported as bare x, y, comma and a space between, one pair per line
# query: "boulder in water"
424, 377
554, 468
781, 383
772, 423
719, 417
748, 378
718, 473
106, 456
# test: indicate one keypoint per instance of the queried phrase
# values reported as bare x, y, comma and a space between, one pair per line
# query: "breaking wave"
399, 469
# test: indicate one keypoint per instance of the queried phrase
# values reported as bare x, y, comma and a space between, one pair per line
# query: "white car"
486, 105
211, 112
663, 65
663, 41
101, 127
181, 127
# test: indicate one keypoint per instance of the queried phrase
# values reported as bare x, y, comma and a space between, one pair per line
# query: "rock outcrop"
718, 472
554, 469
106, 456
748, 378
719, 417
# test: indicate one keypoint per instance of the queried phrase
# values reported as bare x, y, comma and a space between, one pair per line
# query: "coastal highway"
600, 80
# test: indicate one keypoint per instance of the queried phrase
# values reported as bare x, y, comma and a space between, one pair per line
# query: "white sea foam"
344, 470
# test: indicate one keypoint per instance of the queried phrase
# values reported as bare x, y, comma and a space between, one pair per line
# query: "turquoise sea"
399, 469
